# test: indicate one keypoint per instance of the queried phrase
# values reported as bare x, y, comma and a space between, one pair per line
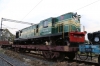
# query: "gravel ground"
31, 61
12, 60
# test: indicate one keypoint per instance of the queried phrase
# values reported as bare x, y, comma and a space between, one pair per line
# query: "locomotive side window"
54, 20
20, 33
37, 29
45, 24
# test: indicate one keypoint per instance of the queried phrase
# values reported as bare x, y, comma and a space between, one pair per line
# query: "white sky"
18, 9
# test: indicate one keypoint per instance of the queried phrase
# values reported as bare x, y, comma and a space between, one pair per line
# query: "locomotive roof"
44, 20
28, 27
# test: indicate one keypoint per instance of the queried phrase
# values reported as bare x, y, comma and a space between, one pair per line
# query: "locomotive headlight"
96, 39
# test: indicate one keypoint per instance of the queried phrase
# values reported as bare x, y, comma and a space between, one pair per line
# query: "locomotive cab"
17, 34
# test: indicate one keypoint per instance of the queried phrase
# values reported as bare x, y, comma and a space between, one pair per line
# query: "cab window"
45, 24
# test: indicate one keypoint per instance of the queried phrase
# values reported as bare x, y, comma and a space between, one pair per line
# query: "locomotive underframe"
41, 39
60, 39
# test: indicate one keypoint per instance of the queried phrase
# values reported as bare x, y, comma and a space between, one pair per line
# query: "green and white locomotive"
51, 31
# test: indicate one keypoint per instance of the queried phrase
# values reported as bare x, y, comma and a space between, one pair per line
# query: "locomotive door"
60, 28
34, 32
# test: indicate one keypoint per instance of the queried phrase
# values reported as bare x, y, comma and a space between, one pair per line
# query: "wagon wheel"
50, 55
56, 56
22, 50
83, 56
46, 55
61, 56
71, 55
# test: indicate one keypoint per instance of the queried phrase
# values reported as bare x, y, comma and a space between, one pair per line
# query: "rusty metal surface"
4, 42
44, 47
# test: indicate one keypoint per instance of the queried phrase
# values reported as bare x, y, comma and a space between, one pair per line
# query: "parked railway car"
56, 37
5, 44
93, 46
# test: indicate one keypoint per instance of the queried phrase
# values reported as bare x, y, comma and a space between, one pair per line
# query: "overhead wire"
87, 5
42, 0
32, 9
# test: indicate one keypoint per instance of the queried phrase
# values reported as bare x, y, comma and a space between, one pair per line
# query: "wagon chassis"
49, 52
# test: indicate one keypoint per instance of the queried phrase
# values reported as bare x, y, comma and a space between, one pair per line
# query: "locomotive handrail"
58, 28
63, 30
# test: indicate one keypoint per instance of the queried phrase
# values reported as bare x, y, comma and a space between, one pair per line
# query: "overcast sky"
36, 10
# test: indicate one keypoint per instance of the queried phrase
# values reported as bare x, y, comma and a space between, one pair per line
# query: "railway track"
81, 62
66, 61
5, 62
77, 61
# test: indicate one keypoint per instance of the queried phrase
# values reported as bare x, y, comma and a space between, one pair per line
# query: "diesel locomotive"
60, 30
56, 37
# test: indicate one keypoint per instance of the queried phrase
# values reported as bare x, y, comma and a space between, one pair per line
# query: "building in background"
6, 35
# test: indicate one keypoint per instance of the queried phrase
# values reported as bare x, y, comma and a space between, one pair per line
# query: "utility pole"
11, 20
1, 23
1, 31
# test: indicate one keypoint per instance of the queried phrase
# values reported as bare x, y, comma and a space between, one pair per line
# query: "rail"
6, 61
